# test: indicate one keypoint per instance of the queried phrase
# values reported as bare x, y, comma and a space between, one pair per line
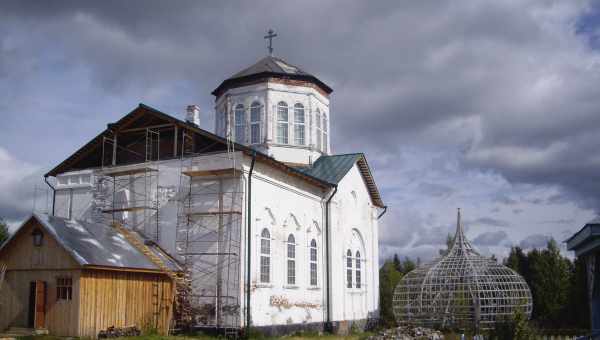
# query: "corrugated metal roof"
95, 244
332, 169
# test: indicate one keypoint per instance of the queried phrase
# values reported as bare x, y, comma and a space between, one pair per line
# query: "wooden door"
40, 304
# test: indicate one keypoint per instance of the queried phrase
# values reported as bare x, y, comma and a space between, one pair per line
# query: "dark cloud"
489, 221
492, 238
504, 89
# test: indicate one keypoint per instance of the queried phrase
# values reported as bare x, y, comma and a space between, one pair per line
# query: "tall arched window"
349, 269
291, 260
325, 134
318, 132
299, 121
240, 124
313, 262
282, 123
255, 123
358, 276
265, 256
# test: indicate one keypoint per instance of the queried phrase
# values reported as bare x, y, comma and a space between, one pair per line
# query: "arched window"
325, 134
282, 123
240, 124
299, 121
349, 269
265, 256
255, 123
318, 132
313, 262
358, 277
291, 260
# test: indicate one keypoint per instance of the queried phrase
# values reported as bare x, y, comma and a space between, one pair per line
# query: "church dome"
269, 67
461, 289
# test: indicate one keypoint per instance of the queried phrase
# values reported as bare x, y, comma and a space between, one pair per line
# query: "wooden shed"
74, 278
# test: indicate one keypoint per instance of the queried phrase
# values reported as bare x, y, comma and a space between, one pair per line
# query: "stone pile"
116, 332
408, 333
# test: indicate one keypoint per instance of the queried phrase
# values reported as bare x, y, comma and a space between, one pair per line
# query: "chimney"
192, 115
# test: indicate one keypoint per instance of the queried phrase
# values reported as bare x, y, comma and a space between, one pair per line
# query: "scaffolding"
130, 195
461, 290
208, 235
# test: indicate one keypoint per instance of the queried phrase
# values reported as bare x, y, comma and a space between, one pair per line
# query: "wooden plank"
128, 209
214, 213
135, 171
213, 173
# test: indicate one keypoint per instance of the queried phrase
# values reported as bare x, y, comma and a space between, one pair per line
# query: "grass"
297, 336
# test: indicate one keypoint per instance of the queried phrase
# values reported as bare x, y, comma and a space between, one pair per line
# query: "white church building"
273, 228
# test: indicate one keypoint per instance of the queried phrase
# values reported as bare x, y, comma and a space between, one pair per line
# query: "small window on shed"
64, 288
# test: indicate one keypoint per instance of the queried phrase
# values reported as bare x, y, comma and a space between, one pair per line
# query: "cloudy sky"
493, 107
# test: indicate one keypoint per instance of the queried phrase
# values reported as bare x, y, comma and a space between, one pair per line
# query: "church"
269, 227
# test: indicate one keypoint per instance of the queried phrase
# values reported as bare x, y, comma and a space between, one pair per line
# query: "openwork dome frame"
461, 289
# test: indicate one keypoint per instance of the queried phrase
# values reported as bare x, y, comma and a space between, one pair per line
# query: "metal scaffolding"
130, 196
460, 290
208, 239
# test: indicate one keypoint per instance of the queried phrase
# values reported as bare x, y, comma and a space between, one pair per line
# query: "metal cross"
271, 34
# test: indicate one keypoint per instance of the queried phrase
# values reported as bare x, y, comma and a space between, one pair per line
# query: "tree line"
558, 286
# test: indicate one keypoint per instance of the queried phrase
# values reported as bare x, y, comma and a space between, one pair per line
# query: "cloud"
489, 221
534, 241
18, 180
471, 104
493, 238
435, 189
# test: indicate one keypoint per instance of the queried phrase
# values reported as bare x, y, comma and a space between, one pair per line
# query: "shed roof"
270, 67
94, 244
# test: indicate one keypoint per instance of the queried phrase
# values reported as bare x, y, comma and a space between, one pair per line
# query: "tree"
397, 263
550, 285
407, 266
389, 277
4, 234
449, 243
577, 309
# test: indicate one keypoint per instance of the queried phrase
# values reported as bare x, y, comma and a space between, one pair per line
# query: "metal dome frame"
460, 290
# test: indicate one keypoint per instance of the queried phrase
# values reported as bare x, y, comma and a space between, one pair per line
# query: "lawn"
360, 336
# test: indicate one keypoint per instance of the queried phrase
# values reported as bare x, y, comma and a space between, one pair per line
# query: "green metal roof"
332, 169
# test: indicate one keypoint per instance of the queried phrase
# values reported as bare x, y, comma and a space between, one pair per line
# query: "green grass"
298, 336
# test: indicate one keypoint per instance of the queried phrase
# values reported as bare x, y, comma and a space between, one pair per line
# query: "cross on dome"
270, 35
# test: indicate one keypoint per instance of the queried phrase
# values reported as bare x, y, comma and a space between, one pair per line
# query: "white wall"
354, 227
285, 205
269, 94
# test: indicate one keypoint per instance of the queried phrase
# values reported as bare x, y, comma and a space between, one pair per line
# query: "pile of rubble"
116, 332
408, 333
